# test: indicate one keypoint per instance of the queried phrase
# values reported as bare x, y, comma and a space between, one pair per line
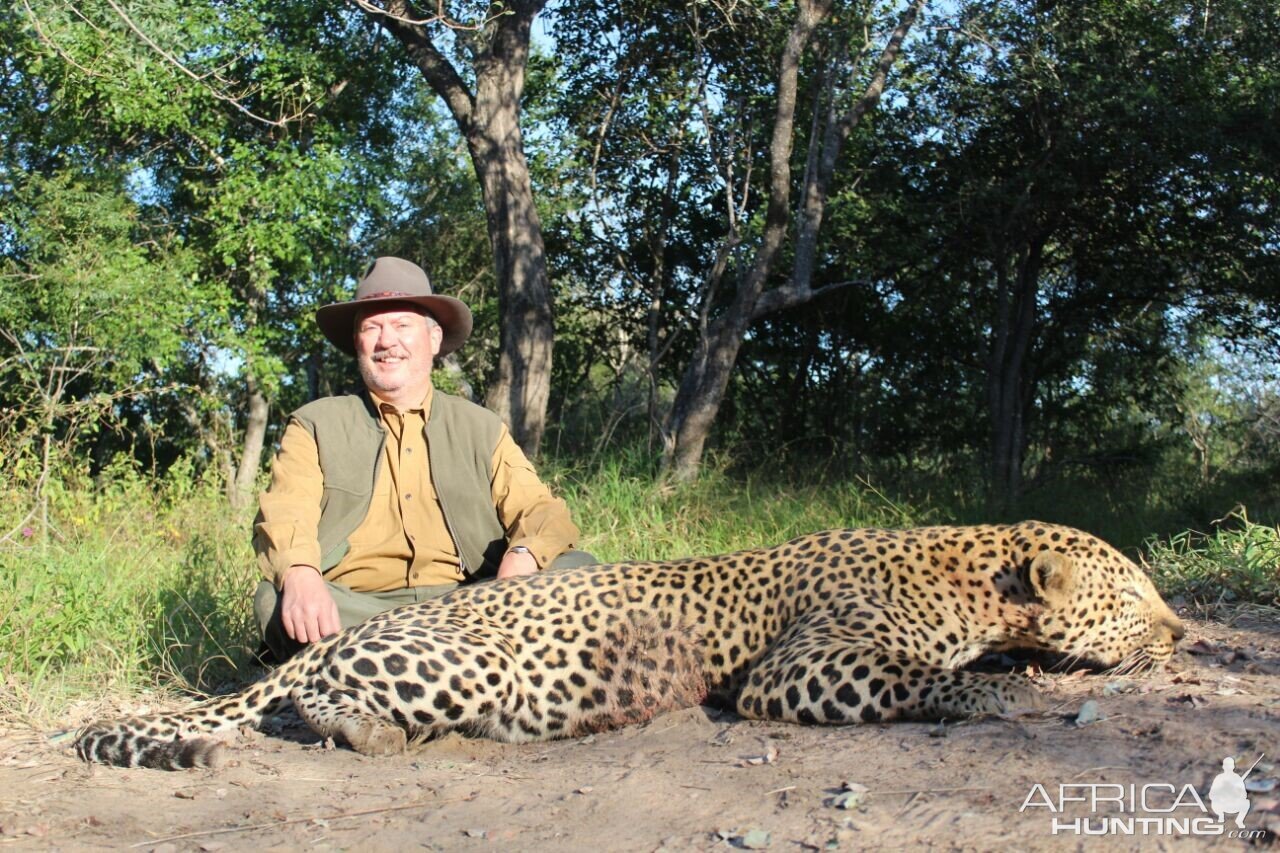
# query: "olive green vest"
460, 436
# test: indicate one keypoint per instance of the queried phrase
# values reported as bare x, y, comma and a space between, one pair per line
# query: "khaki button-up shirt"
403, 541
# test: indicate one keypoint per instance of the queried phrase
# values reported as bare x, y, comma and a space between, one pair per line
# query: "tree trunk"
1008, 377
520, 390
704, 382
706, 379
489, 120
659, 283
255, 432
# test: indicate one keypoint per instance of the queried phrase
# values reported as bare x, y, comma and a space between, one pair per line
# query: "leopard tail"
175, 741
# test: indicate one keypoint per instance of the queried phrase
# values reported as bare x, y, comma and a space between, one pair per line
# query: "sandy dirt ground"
700, 780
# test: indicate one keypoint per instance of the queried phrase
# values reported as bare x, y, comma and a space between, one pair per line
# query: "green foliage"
1238, 562
245, 143
1052, 177
135, 586
84, 270
88, 318
245, 159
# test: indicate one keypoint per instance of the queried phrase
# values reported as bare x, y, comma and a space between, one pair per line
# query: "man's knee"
573, 559
265, 601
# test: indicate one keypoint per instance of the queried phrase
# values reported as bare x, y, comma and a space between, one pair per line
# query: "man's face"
394, 349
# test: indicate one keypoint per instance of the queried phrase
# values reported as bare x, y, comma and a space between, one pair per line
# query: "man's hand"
307, 609
516, 563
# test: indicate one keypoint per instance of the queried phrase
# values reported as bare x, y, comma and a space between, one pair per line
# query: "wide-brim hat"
391, 280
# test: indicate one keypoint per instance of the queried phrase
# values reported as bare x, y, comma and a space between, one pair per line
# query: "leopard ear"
1052, 576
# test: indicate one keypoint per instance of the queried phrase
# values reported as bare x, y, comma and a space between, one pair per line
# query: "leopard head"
1099, 608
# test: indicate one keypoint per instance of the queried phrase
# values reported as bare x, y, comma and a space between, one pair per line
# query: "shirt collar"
422, 408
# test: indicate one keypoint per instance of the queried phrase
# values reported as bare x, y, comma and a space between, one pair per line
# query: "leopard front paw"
1000, 694
971, 694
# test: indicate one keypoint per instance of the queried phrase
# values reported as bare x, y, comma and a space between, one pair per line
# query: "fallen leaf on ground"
1261, 786
846, 800
1201, 647
1089, 714
249, 734
1189, 699
851, 796
770, 755
1111, 688
754, 839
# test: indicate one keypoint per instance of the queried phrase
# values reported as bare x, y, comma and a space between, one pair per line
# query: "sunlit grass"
1238, 562
134, 586
628, 514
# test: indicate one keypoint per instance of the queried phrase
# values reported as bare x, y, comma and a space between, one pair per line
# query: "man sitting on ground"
401, 493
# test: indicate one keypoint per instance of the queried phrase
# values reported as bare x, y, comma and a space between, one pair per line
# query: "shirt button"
408, 497
408, 450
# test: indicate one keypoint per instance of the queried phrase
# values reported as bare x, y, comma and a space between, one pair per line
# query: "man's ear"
1053, 575
437, 337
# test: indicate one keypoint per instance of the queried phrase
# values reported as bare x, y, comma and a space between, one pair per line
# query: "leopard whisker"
1135, 662
1068, 661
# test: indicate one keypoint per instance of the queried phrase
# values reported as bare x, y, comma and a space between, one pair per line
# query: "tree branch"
438, 71
783, 298
814, 200
176, 63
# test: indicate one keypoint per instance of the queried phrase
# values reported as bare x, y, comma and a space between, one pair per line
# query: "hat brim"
337, 321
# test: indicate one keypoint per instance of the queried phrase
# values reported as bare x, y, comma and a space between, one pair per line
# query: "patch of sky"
141, 186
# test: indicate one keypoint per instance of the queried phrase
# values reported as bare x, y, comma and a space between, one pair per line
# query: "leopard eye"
1130, 591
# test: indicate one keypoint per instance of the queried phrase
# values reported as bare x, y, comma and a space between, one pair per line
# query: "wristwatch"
518, 549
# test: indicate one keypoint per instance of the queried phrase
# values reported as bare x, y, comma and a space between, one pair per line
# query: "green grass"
626, 514
135, 586
1239, 562
146, 585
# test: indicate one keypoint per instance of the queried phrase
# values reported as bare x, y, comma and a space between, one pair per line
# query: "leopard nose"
1176, 628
